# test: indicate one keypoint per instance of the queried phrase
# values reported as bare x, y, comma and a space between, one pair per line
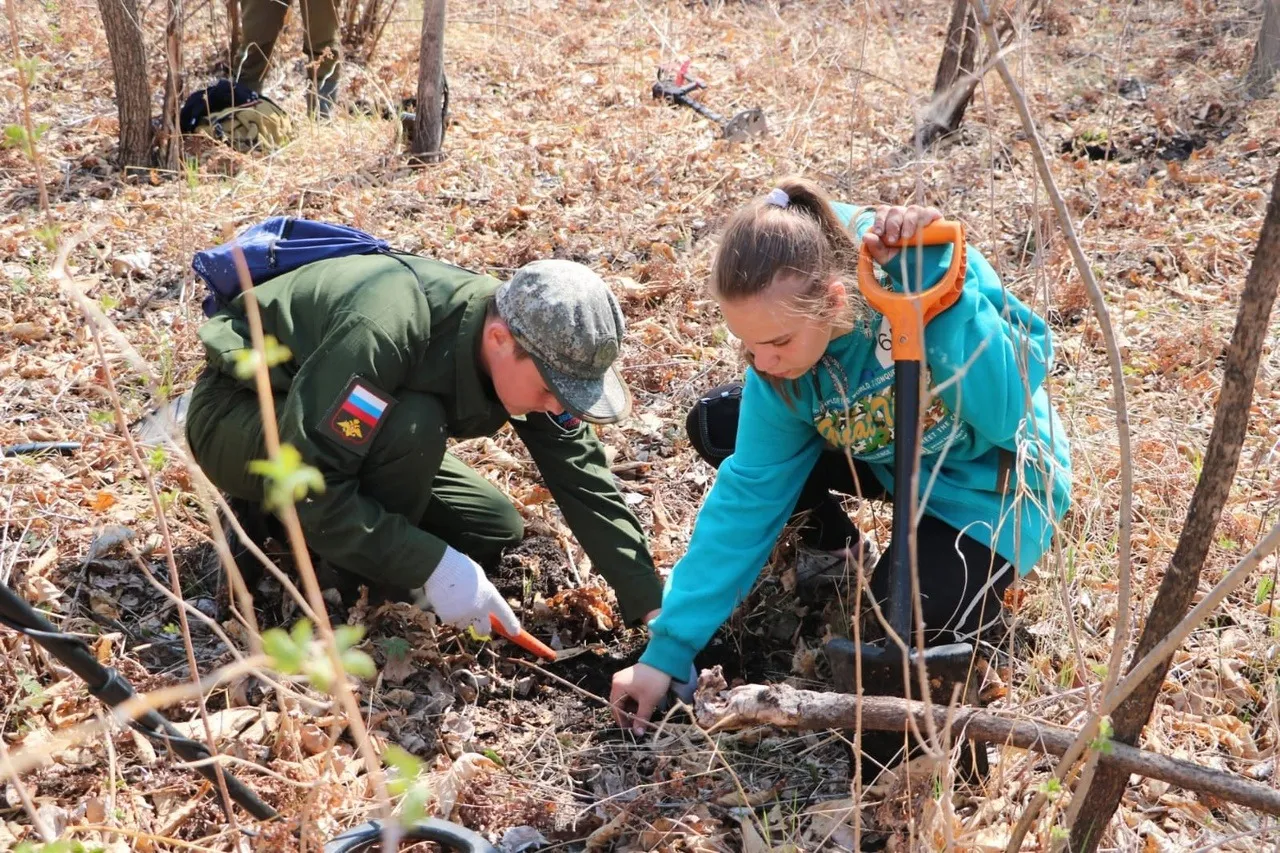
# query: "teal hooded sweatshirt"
986, 361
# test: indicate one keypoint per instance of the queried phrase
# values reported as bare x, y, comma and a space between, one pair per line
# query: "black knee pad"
712, 423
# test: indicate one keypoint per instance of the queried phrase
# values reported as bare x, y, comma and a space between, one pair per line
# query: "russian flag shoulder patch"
357, 415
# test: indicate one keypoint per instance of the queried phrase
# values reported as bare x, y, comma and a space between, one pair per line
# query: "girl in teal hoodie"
815, 414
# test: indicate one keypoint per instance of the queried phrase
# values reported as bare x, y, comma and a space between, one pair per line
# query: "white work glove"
462, 596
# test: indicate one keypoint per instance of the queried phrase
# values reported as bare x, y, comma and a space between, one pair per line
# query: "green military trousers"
261, 25
439, 494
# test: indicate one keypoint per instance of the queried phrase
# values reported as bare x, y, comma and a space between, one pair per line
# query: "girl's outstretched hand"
896, 224
637, 690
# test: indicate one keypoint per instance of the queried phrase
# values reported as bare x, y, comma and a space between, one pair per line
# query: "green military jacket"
407, 322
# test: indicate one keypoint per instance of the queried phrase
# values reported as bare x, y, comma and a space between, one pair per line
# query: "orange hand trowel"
524, 640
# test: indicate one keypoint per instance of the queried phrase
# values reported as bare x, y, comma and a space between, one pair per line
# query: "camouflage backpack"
236, 115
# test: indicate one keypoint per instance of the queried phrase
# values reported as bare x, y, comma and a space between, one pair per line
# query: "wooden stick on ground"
785, 707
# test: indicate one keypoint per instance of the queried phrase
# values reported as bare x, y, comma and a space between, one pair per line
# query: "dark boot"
322, 95
260, 527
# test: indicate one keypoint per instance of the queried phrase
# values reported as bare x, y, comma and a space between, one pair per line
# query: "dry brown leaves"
557, 148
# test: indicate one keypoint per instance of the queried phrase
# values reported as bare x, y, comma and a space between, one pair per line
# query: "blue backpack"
274, 247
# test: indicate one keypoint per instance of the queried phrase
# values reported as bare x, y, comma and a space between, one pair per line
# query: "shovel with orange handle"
524, 640
883, 669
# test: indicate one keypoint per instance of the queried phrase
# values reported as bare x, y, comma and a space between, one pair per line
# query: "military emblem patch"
356, 417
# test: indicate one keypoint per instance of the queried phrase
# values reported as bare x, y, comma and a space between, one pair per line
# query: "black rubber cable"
65, 448
450, 835
107, 685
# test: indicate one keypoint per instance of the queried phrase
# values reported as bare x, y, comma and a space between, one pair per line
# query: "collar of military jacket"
474, 395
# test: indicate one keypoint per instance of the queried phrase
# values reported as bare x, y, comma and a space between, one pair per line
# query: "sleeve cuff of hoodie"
905, 266
671, 656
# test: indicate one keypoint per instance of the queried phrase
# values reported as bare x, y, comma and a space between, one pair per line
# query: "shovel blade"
882, 675
746, 124
882, 670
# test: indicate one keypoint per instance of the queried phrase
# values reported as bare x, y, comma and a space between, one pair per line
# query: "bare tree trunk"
950, 61
1266, 53
171, 132
233, 24
784, 706
1182, 577
428, 128
958, 73
129, 63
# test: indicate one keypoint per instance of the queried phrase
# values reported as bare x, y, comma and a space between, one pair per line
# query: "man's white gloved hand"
462, 596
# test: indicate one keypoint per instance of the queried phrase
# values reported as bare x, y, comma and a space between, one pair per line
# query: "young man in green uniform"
391, 357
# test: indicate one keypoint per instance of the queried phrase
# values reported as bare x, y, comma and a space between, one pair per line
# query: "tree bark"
171, 133
428, 127
129, 63
1266, 53
1182, 577
958, 73
954, 81
785, 707
233, 27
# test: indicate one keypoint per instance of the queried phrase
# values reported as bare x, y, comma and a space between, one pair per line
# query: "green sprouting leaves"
31, 67
396, 648
297, 652
288, 649
16, 136
1102, 743
288, 479
55, 847
354, 661
247, 360
33, 693
48, 235
407, 783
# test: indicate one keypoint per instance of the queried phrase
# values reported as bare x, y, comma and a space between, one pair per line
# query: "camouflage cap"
564, 315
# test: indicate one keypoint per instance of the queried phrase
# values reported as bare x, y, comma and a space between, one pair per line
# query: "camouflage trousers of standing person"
261, 23
437, 493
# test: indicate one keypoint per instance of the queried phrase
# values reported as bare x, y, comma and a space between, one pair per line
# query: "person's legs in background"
321, 44
261, 22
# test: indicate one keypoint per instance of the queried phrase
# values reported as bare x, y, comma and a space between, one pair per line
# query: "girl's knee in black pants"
712, 427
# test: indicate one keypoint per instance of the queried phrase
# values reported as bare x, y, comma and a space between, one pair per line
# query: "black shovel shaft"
703, 111
670, 92
906, 418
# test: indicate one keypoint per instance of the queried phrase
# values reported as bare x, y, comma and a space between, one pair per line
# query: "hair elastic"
778, 198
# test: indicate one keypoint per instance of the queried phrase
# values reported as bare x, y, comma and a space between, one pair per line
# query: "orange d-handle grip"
524, 640
909, 313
